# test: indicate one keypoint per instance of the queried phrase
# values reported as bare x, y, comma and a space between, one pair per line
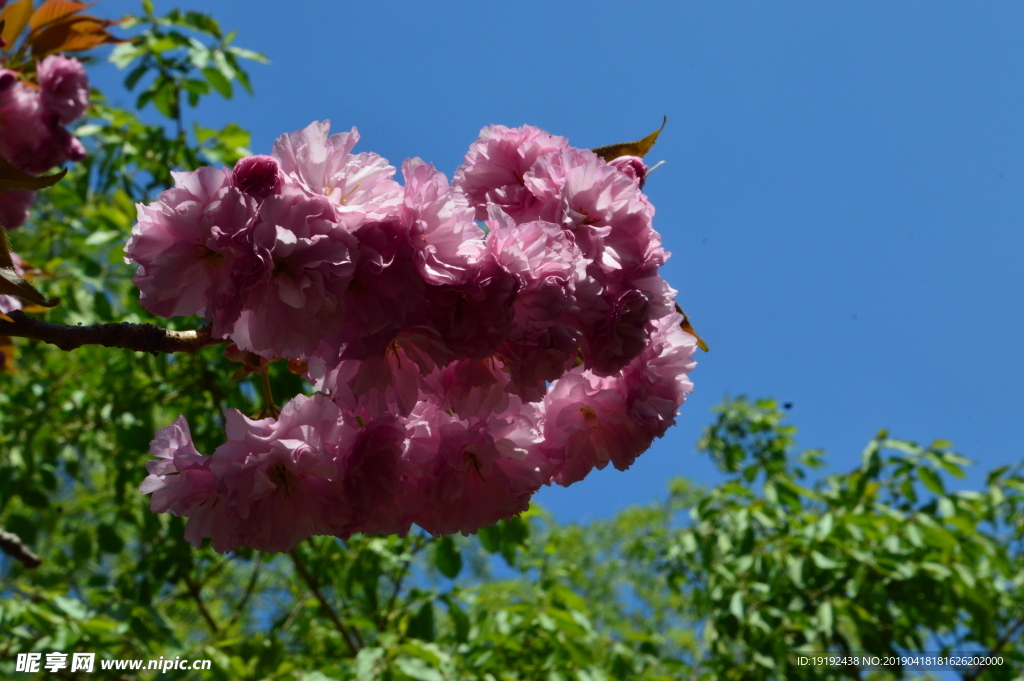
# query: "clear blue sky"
841, 194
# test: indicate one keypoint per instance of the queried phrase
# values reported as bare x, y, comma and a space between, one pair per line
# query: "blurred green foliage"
730, 582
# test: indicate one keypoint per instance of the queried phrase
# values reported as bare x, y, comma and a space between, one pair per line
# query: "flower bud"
258, 176
633, 166
7, 78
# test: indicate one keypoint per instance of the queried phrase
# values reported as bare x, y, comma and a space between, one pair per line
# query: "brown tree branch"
140, 337
12, 545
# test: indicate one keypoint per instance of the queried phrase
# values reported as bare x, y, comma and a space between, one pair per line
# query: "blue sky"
841, 193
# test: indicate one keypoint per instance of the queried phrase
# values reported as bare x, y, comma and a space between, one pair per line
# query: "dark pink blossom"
465, 475
31, 136
385, 289
14, 205
258, 176
310, 260
388, 383
64, 86
657, 381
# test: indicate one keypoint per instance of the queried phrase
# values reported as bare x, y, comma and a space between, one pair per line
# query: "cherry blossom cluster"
33, 116
468, 343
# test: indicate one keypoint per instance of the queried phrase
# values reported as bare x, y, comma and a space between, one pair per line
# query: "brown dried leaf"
7, 353
15, 17
638, 148
688, 328
11, 283
54, 10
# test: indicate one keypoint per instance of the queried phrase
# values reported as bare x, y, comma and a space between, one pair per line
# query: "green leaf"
447, 557
736, 605
460, 620
218, 81
932, 480
417, 669
108, 539
824, 616
249, 54
823, 562
133, 77
490, 538
421, 624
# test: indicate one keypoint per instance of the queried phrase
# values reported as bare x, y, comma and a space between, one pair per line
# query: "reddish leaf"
15, 17
53, 10
74, 33
12, 178
638, 148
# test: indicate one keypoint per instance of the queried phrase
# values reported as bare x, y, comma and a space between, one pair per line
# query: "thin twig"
248, 592
1003, 640
193, 589
140, 337
12, 545
324, 605
397, 583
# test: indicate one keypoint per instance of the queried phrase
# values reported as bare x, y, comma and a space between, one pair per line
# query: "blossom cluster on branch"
33, 116
469, 343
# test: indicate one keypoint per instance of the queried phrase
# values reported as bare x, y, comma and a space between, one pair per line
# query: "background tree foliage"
726, 583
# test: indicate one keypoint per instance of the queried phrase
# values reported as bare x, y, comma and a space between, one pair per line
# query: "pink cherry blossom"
632, 167
657, 381
193, 248
385, 289
311, 261
456, 373
473, 318
64, 86
546, 265
379, 384
179, 477
495, 167
14, 205
359, 185
442, 230
470, 387
587, 424
276, 482
464, 475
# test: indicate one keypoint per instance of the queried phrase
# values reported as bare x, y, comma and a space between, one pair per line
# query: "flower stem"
270, 408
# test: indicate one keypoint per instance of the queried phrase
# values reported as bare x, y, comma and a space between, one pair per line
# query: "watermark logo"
86, 662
